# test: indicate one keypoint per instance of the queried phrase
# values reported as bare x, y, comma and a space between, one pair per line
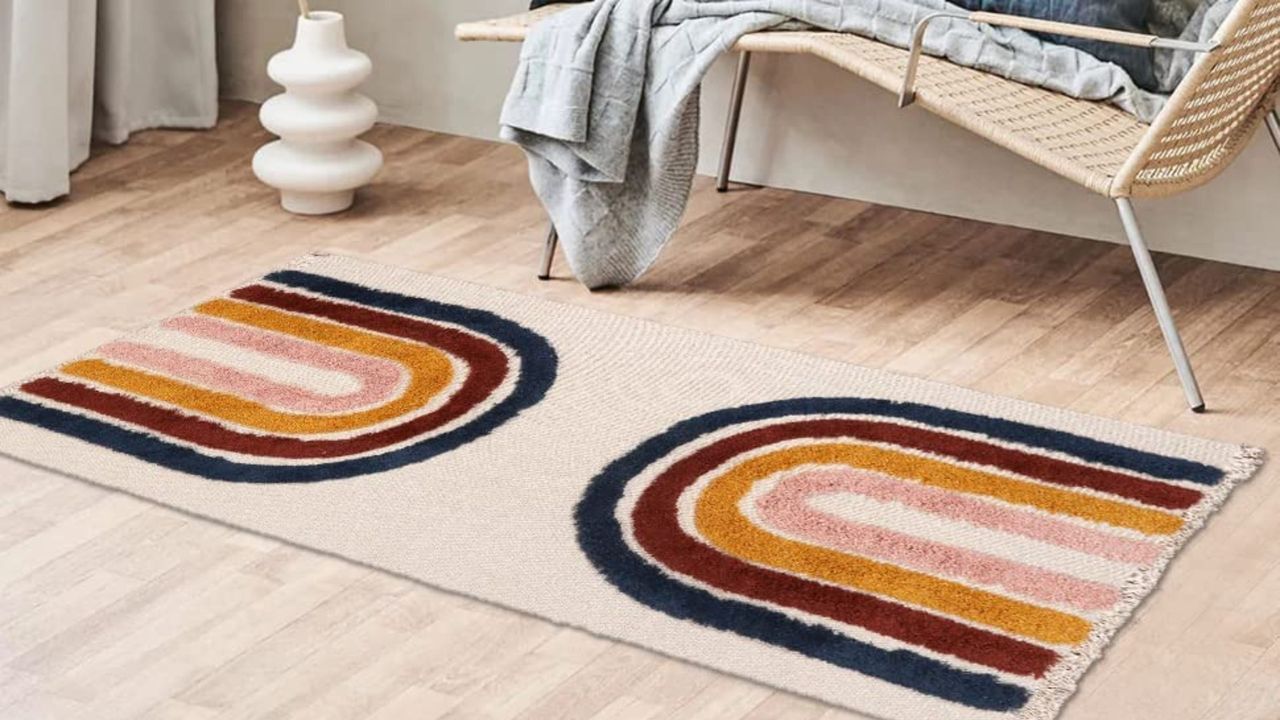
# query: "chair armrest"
513, 28
1120, 37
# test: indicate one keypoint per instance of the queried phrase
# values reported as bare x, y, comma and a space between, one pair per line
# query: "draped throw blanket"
605, 101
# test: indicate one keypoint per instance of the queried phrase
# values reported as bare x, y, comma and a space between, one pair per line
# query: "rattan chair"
1228, 93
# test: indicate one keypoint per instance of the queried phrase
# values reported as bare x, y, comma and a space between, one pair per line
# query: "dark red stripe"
657, 529
487, 367
1046, 469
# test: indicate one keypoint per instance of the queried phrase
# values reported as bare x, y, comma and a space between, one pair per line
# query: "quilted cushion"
1130, 15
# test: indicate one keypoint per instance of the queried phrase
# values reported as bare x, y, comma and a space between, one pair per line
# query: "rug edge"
1059, 686
1062, 682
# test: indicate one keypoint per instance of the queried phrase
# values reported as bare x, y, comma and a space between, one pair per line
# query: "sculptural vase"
318, 163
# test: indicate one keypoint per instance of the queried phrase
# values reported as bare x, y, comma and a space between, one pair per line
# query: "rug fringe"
1062, 681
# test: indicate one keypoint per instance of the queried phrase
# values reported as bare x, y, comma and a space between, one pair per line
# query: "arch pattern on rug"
297, 378
959, 555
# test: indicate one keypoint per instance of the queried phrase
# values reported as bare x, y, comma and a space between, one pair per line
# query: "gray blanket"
605, 101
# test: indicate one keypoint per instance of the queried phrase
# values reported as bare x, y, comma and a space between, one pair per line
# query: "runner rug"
894, 546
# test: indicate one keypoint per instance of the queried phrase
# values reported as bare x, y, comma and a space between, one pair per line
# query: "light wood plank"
113, 608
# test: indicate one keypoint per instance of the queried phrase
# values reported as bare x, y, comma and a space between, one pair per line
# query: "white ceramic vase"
318, 163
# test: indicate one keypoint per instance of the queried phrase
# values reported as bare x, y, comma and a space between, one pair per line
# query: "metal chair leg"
1155, 291
1273, 124
731, 122
549, 253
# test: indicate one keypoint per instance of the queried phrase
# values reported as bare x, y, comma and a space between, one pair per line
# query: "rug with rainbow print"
893, 546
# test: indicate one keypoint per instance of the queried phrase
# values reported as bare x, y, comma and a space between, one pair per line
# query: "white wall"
806, 125
421, 76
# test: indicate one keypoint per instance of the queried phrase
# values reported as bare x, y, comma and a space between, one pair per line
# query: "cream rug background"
494, 518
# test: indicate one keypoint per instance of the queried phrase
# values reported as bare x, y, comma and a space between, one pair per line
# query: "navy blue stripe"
538, 362
1077, 446
601, 538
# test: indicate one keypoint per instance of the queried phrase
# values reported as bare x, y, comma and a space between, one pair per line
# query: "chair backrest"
1215, 110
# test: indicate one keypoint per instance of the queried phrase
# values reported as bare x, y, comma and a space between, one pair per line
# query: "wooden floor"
113, 608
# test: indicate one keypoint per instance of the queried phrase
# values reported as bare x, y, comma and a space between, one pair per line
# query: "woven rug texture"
898, 547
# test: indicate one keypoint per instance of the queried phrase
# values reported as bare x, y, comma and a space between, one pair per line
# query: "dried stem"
304, 8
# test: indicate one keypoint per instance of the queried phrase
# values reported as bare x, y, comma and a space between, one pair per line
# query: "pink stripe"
379, 379
993, 515
385, 375
787, 509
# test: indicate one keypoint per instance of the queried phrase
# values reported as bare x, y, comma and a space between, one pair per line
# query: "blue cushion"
1130, 15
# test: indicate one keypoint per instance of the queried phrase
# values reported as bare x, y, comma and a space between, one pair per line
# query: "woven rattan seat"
1091, 143
1228, 93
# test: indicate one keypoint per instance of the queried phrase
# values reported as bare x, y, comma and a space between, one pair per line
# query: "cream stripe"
271, 367
900, 518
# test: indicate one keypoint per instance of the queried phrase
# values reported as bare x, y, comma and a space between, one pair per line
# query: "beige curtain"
76, 70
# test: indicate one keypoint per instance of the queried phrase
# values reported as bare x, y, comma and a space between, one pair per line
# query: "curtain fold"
76, 70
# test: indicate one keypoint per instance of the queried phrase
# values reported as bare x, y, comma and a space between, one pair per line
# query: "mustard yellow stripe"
430, 372
720, 521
